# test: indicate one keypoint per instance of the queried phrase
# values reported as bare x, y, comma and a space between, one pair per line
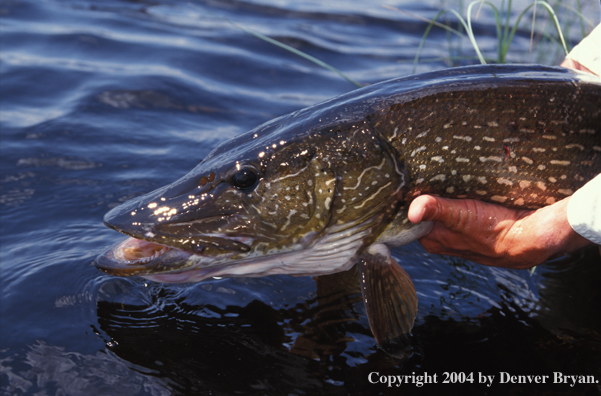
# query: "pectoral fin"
390, 300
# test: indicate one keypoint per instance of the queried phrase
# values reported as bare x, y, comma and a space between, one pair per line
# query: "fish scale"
327, 187
511, 145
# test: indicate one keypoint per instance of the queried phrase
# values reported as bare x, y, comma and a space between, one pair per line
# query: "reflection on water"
569, 297
105, 100
71, 373
163, 340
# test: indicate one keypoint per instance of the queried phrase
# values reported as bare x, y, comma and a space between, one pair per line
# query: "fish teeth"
145, 260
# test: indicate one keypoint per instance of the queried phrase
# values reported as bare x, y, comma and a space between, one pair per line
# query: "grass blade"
288, 48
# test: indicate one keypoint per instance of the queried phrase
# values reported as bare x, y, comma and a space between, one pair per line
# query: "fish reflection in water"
330, 330
166, 342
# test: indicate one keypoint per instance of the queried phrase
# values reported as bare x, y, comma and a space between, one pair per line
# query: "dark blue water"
105, 100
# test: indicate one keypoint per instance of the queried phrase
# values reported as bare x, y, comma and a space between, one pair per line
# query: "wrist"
562, 239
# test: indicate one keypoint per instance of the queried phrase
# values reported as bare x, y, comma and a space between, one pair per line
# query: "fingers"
463, 227
423, 208
432, 245
495, 235
454, 214
571, 64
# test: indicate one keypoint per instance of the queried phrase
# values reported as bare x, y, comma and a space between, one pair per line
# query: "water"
105, 100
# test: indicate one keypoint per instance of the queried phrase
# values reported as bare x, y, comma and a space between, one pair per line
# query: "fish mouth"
139, 257
170, 247
140, 252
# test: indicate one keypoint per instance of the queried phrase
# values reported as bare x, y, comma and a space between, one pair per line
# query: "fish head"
264, 203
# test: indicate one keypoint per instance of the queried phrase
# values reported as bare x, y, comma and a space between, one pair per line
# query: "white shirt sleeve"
584, 210
588, 52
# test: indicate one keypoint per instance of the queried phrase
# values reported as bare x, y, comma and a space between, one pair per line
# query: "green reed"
506, 27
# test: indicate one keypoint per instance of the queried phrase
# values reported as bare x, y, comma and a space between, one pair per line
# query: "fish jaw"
134, 256
137, 257
335, 251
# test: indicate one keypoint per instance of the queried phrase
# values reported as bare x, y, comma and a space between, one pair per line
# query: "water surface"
105, 100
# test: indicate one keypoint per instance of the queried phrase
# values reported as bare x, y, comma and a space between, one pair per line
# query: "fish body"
324, 188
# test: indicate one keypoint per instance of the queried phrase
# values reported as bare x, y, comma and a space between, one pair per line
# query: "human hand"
495, 235
572, 64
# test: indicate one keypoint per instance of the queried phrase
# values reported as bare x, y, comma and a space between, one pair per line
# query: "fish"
327, 187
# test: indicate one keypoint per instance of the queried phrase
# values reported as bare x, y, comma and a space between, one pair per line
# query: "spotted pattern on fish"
328, 187
355, 161
514, 139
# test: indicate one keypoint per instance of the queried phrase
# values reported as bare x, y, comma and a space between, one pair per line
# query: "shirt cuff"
584, 211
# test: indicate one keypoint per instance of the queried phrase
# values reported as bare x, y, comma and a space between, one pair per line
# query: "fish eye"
244, 179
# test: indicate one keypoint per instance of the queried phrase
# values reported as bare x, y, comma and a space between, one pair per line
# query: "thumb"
424, 208
454, 214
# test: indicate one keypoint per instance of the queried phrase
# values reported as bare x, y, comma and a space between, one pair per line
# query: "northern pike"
319, 190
